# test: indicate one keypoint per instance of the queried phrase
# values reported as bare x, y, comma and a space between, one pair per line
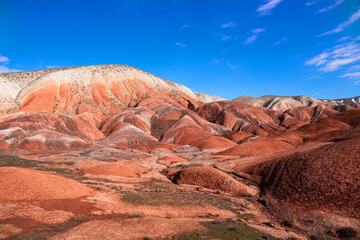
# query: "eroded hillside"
113, 151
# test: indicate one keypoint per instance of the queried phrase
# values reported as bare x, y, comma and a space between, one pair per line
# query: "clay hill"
111, 150
283, 103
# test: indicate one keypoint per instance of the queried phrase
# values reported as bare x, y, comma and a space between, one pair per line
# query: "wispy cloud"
314, 77
344, 25
229, 65
354, 75
51, 66
215, 60
308, 4
281, 41
224, 62
268, 6
255, 35
225, 38
185, 26
180, 44
258, 30
343, 39
228, 25
222, 37
4, 69
337, 57
356, 67
251, 39
3, 59
330, 7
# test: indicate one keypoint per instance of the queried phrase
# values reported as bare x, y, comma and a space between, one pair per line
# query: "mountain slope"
279, 103
74, 90
206, 98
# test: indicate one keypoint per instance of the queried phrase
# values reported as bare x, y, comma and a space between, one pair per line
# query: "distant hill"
343, 101
283, 103
206, 98
278, 103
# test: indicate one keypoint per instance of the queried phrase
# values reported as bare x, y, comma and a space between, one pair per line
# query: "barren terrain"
112, 152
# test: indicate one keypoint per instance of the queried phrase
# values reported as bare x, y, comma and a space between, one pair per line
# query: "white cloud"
224, 62
308, 4
355, 67
4, 69
283, 40
337, 57
230, 65
222, 37
228, 25
50, 66
3, 59
251, 39
314, 77
225, 38
318, 60
179, 44
186, 26
334, 5
267, 7
343, 39
344, 25
354, 75
214, 60
258, 30
255, 35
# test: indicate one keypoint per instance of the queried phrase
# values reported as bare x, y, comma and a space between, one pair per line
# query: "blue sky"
226, 48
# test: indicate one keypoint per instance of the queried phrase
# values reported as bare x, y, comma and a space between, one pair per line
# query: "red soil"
351, 117
19, 184
214, 142
326, 178
293, 137
258, 147
238, 137
168, 160
211, 178
126, 135
185, 132
322, 126
335, 136
116, 169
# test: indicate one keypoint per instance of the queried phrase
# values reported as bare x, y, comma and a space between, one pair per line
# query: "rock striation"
77, 90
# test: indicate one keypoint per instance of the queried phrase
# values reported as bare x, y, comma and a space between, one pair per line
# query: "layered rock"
47, 131
240, 117
109, 88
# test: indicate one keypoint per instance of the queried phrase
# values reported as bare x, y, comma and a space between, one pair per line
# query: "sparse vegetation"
33, 237
316, 237
226, 231
157, 195
183, 166
346, 233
